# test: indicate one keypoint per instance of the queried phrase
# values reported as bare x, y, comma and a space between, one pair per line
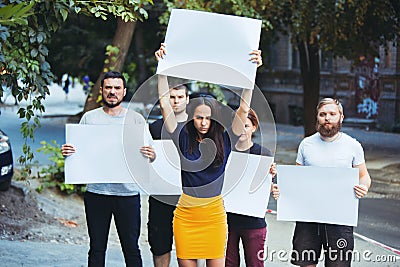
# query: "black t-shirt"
156, 128
239, 221
158, 133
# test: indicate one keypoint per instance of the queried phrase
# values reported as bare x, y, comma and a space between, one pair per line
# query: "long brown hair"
215, 133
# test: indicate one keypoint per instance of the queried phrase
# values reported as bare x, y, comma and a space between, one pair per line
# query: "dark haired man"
161, 207
121, 200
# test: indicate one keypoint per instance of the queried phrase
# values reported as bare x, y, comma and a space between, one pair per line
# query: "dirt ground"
52, 216
47, 217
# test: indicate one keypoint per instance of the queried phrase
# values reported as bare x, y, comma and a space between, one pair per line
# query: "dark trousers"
253, 241
126, 211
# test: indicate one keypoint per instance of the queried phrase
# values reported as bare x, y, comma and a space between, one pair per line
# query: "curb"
396, 251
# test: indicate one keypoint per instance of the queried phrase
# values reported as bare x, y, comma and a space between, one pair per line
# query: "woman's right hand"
67, 150
160, 53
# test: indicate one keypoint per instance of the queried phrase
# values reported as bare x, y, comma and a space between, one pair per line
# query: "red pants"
253, 241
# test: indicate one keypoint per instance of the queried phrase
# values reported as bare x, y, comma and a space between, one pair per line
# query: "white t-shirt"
344, 152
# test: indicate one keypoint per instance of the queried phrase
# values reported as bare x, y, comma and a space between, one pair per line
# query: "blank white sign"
165, 171
102, 156
317, 194
247, 184
211, 47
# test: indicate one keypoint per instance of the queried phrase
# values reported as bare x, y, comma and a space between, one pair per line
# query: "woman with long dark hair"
200, 226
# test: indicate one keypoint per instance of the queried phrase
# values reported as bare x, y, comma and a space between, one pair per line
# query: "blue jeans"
126, 210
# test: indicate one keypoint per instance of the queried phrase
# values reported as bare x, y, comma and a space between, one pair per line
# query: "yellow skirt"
200, 228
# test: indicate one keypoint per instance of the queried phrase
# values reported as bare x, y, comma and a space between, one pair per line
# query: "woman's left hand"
275, 191
256, 57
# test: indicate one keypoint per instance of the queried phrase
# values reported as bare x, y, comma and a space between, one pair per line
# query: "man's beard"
329, 130
110, 105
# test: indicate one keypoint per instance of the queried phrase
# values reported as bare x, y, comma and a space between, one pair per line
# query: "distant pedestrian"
329, 148
66, 83
86, 84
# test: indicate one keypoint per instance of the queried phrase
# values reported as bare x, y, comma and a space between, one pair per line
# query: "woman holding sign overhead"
200, 226
251, 230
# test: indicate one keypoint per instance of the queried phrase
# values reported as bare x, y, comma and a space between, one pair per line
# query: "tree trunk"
122, 39
310, 73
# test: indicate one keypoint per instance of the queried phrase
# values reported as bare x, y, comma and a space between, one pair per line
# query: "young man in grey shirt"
121, 200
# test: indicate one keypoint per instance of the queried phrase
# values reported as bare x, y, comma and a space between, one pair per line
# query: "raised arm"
241, 114
168, 114
245, 99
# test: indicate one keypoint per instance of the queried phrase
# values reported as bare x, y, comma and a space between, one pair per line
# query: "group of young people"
198, 223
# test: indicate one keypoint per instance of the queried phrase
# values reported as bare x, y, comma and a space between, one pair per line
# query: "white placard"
101, 153
211, 47
247, 184
317, 194
165, 171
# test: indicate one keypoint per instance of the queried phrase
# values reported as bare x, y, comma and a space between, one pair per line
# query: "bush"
53, 174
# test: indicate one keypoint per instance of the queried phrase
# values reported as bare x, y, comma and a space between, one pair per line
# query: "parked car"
6, 162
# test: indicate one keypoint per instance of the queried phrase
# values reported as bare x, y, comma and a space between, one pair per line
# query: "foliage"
348, 28
243, 8
53, 174
78, 46
111, 53
130, 10
24, 62
23, 58
213, 89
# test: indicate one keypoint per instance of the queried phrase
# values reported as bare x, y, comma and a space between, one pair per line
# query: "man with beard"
328, 148
121, 200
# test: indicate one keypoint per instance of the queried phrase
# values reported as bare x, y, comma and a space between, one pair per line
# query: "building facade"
369, 91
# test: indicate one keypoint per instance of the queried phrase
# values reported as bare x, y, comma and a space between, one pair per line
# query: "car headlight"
4, 143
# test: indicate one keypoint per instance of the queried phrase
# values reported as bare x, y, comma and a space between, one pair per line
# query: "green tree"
79, 47
24, 33
344, 28
23, 58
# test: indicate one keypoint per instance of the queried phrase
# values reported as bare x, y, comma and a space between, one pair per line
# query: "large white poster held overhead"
211, 47
317, 194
